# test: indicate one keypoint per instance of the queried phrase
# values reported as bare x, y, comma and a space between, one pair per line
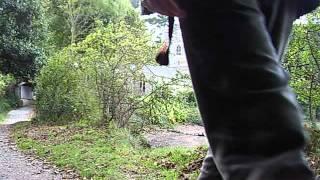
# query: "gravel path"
13, 164
181, 136
19, 115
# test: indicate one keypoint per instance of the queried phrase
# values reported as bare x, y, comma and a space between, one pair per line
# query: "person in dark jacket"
252, 119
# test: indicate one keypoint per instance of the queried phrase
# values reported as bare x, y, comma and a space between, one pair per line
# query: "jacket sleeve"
165, 7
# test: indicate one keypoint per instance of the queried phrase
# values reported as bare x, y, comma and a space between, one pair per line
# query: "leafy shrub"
114, 57
168, 106
95, 78
60, 92
4, 105
193, 116
188, 98
99, 77
7, 99
5, 81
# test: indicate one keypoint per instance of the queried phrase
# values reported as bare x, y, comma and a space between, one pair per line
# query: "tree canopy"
70, 21
21, 32
303, 63
32, 29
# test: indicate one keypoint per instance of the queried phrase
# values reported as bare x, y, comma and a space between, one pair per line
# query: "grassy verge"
6, 104
116, 154
2, 116
107, 154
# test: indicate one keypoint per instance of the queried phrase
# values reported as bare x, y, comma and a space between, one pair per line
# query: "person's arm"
165, 7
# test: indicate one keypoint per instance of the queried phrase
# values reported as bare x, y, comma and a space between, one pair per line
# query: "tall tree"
21, 33
72, 20
303, 63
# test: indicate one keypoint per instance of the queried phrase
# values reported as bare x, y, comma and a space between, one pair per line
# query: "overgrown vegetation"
7, 97
107, 153
98, 80
169, 106
22, 30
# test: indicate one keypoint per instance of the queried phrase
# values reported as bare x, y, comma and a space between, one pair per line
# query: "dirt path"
182, 136
13, 164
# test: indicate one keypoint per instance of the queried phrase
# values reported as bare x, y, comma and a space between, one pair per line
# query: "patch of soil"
182, 136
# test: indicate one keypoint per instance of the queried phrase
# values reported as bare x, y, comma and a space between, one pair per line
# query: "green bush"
5, 81
95, 78
4, 105
7, 98
188, 98
167, 106
99, 78
193, 116
61, 95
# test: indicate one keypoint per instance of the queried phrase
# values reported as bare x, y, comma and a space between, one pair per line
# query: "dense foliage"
70, 21
169, 106
303, 63
102, 69
7, 97
21, 34
99, 79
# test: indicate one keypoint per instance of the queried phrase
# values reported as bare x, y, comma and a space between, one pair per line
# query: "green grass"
116, 154
3, 116
5, 106
106, 154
